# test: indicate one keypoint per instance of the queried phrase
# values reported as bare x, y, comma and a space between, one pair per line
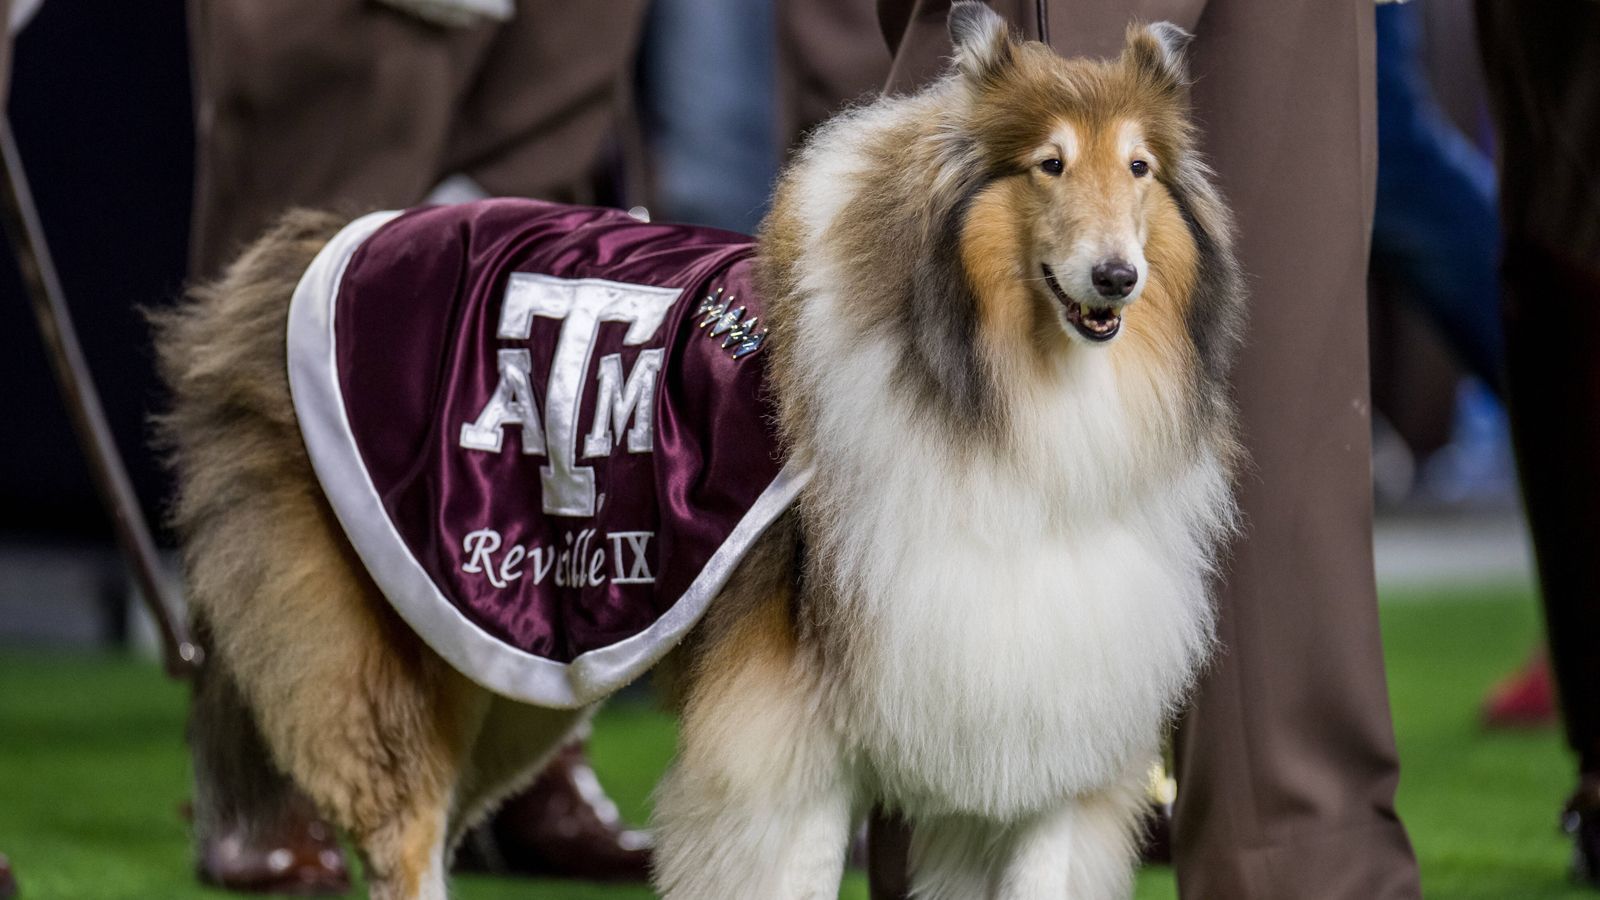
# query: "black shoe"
1581, 820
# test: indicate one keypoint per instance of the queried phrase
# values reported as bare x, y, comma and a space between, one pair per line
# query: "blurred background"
101, 102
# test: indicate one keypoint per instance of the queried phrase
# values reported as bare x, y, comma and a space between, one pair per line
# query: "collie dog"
1001, 313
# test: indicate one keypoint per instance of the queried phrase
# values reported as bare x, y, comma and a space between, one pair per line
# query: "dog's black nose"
1114, 278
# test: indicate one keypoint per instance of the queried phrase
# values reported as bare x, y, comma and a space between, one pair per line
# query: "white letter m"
617, 401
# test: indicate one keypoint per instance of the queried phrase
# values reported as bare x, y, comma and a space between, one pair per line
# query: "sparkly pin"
726, 322
722, 319
712, 308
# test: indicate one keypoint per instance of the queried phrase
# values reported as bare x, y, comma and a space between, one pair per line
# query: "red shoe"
1525, 699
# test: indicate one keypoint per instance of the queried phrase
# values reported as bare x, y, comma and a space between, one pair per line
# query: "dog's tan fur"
387, 739
402, 752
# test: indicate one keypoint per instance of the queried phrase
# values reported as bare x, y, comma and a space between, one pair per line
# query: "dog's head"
1025, 213
1079, 157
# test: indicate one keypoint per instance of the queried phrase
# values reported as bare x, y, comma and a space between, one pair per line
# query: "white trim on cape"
477, 654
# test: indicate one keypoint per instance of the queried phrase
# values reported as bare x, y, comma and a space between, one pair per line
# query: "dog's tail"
229, 428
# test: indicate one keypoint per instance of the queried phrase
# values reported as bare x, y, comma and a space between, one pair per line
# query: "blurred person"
708, 126
1434, 226
830, 53
1543, 66
365, 105
1286, 761
1436, 230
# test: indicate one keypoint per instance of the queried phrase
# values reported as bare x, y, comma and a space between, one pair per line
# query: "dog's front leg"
1084, 850
1042, 859
758, 803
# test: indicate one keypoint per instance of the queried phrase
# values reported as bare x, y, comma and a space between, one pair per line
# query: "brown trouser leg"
349, 104
829, 52
1286, 764
1543, 63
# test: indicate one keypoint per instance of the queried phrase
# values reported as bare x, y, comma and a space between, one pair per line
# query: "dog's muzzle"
1094, 321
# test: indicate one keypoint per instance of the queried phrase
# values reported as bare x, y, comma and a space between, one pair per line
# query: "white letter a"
512, 404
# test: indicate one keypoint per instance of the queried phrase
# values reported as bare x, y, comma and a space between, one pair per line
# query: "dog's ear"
1159, 52
982, 41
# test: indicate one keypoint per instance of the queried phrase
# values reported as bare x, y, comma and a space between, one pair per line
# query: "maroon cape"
545, 430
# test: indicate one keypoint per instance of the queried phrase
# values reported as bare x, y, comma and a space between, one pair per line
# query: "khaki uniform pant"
351, 105
1286, 765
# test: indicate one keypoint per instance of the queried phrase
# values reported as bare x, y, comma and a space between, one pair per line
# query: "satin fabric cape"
463, 375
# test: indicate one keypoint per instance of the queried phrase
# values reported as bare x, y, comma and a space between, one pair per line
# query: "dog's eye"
1051, 166
1140, 168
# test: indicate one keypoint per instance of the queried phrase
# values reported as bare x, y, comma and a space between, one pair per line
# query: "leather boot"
254, 830
562, 826
8, 882
296, 853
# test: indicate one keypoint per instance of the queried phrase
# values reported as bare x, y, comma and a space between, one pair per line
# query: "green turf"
92, 772
1481, 808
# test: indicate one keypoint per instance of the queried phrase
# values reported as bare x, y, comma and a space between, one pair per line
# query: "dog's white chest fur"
1000, 670
1015, 630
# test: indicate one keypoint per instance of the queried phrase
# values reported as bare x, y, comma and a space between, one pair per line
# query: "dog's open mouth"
1097, 323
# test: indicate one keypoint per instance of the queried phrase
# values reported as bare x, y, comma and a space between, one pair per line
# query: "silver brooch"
720, 318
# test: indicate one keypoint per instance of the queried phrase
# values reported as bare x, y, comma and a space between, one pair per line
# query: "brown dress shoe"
296, 854
8, 882
562, 826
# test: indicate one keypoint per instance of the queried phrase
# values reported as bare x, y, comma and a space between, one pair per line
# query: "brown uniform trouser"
829, 52
1543, 63
349, 104
1286, 765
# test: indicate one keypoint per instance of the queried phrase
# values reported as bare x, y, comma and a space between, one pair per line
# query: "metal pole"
180, 654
